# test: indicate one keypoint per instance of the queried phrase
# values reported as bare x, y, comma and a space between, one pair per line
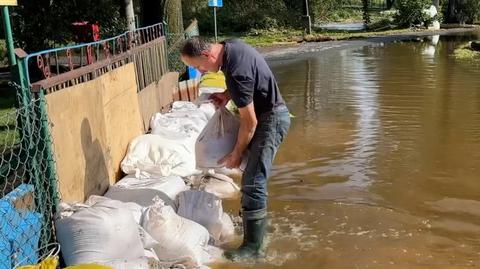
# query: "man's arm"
248, 125
220, 99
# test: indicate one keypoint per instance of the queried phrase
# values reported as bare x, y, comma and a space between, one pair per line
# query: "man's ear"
206, 54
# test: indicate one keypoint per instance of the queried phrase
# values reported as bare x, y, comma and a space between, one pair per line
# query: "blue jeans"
271, 129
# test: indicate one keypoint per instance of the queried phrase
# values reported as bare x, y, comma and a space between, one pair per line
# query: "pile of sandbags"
151, 218
108, 233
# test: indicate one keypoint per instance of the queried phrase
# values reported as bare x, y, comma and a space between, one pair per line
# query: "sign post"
215, 4
8, 29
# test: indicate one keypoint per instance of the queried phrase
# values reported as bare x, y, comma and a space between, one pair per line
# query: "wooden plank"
168, 86
123, 121
92, 124
79, 140
149, 102
156, 96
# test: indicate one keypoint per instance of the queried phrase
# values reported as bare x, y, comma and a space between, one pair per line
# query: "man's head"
201, 54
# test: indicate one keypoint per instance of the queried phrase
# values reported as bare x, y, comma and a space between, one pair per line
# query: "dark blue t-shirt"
249, 78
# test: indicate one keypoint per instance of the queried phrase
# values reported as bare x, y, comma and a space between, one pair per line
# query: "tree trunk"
390, 3
153, 11
174, 16
451, 16
129, 14
436, 3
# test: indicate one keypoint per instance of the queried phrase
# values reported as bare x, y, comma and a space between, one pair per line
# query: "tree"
42, 24
366, 13
451, 16
390, 3
153, 11
462, 11
128, 13
174, 16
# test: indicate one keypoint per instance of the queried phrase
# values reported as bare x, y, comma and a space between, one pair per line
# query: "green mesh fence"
175, 42
28, 191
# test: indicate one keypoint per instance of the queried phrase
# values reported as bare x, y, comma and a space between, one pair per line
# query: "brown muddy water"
381, 168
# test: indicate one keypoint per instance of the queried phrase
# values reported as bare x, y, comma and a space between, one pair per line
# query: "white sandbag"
217, 139
152, 155
228, 229
150, 253
183, 106
134, 208
221, 186
233, 172
208, 108
169, 185
138, 263
179, 238
188, 110
206, 209
212, 254
98, 234
175, 128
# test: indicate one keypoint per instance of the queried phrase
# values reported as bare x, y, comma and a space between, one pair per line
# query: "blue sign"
215, 3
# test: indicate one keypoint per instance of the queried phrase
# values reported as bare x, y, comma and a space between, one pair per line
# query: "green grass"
465, 53
8, 133
261, 38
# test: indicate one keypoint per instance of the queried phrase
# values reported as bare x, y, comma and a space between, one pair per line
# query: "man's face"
204, 62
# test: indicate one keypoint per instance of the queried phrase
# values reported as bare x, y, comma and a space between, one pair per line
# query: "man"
264, 122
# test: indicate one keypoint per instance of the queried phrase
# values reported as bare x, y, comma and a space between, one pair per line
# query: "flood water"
381, 168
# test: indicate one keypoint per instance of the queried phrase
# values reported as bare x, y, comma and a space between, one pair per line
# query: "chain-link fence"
28, 183
28, 191
175, 42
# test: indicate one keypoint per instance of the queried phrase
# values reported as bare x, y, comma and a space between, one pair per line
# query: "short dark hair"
194, 46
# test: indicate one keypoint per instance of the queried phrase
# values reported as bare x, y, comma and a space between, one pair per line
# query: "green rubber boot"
253, 233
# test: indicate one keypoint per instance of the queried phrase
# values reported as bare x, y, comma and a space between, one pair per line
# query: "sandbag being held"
217, 139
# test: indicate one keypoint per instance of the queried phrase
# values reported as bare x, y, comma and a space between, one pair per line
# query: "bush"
468, 11
241, 16
41, 24
410, 12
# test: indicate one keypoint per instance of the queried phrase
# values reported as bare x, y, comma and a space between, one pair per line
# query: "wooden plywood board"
156, 97
123, 121
92, 124
149, 104
78, 133
168, 85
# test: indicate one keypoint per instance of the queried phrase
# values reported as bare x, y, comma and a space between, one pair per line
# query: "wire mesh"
175, 42
28, 195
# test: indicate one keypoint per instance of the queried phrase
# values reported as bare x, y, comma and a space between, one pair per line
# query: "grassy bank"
466, 53
263, 38
8, 134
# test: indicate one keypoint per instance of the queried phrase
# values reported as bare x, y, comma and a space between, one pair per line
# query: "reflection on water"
381, 168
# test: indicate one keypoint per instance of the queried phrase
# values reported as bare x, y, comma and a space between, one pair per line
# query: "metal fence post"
48, 157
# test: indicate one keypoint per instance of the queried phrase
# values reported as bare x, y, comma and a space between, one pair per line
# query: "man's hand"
231, 160
219, 99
